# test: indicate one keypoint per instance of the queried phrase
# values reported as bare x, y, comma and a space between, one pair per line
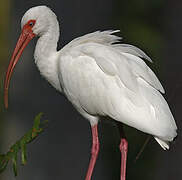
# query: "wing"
126, 65
105, 41
118, 83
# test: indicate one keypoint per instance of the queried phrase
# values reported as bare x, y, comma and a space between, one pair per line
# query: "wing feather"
130, 49
140, 69
112, 62
104, 37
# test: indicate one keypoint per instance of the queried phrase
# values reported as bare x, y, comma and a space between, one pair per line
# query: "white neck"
46, 55
47, 42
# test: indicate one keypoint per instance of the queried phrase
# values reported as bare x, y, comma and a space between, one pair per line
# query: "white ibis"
100, 78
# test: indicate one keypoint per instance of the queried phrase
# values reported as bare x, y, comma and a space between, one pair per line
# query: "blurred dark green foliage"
141, 24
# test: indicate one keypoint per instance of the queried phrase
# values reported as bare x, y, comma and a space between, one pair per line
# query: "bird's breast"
48, 69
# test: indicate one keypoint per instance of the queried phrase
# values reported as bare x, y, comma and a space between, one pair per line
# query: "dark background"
63, 150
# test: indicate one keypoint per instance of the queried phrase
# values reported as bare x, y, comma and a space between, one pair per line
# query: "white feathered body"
102, 78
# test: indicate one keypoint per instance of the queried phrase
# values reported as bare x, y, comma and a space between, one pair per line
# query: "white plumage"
106, 79
100, 77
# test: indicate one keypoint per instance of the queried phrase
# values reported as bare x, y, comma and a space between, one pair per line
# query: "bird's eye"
31, 24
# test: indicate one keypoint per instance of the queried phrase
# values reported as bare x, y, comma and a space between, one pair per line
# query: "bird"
100, 76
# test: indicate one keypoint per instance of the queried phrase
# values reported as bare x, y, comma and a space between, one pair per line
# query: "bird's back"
102, 78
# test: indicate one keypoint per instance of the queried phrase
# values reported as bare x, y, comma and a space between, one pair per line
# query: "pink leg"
124, 150
94, 152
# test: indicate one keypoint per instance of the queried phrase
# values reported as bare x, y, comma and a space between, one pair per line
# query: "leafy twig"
21, 144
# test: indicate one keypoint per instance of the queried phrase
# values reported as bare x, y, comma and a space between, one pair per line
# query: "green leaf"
14, 160
21, 144
23, 153
37, 121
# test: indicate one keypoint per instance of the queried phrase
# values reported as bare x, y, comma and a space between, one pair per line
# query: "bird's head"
35, 22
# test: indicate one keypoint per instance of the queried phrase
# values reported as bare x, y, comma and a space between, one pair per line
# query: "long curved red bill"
23, 41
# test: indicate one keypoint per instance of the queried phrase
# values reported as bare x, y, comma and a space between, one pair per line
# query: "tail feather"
163, 144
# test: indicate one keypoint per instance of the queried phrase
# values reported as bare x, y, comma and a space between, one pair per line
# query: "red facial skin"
26, 36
